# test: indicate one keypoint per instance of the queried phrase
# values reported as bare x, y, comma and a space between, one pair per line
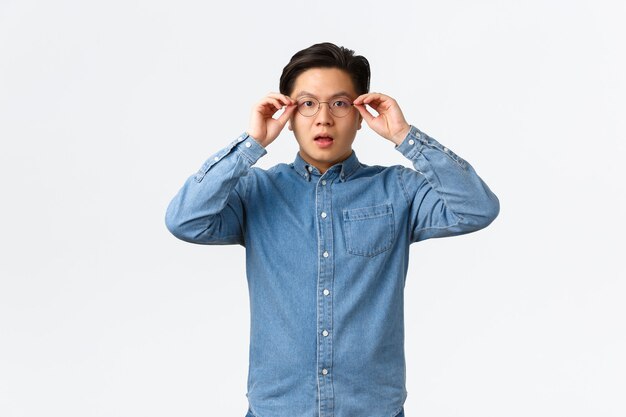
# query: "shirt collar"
344, 168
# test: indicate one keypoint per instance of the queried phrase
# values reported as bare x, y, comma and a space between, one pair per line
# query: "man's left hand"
390, 122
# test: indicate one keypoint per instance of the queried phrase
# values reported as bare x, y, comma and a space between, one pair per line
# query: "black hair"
327, 55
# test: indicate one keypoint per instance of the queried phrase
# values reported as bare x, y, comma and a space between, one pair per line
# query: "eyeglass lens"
309, 106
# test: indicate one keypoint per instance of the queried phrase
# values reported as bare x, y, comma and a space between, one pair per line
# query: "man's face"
324, 138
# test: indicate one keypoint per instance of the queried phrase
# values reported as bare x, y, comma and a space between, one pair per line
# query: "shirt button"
325, 254
217, 158
323, 215
248, 144
324, 371
411, 142
326, 292
309, 168
323, 182
445, 149
325, 333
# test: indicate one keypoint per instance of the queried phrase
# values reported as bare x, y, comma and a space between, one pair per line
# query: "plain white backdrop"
106, 107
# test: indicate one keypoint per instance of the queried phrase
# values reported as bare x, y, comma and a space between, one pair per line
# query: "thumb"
282, 119
364, 112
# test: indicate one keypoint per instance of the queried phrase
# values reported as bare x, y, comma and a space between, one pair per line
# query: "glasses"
309, 106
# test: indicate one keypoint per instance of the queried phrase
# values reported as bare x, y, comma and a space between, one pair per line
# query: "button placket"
325, 300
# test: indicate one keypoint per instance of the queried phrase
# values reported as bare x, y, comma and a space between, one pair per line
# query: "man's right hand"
263, 127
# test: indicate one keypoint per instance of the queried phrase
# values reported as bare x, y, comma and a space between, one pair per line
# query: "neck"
323, 166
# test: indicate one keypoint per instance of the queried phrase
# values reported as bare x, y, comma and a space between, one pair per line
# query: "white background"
106, 107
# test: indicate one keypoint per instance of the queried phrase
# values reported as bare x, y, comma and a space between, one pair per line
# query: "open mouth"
323, 138
323, 141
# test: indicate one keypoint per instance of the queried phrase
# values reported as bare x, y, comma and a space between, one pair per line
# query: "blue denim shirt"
326, 259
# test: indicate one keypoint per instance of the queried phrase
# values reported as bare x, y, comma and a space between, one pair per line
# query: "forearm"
468, 201
208, 208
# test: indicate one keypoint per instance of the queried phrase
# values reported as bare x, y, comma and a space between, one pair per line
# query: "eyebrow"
306, 93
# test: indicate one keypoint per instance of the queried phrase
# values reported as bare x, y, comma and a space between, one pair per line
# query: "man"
327, 238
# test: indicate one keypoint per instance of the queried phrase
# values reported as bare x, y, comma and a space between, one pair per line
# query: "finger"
364, 112
375, 98
283, 98
359, 99
264, 106
381, 104
282, 119
271, 104
365, 98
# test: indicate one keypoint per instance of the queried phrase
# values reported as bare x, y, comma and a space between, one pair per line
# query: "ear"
359, 122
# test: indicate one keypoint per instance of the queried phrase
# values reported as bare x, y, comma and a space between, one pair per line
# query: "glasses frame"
319, 105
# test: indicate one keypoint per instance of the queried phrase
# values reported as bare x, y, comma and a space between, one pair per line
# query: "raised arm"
445, 194
209, 208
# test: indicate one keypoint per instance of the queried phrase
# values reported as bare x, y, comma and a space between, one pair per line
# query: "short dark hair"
327, 55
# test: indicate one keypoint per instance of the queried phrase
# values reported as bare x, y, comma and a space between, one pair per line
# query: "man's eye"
341, 103
306, 103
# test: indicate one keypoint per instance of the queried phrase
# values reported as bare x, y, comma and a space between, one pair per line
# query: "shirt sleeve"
445, 195
209, 208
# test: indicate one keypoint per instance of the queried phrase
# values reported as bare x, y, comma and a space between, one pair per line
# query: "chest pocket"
368, 231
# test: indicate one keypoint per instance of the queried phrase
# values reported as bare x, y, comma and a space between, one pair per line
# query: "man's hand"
263, 127
390, 122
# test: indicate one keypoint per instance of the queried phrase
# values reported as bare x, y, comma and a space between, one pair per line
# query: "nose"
324, 116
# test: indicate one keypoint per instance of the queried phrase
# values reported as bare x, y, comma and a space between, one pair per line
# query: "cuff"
245, 145
412, 143
416, 141
249, 148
